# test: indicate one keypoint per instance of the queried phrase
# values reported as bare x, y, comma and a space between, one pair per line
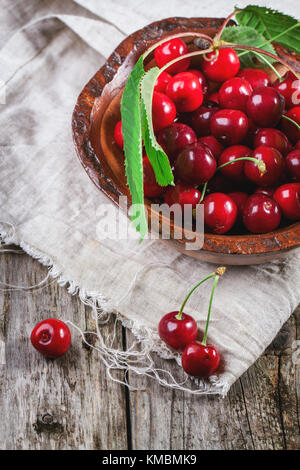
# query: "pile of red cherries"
205, 120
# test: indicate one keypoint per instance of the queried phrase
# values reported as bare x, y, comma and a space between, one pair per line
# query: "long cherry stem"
291, 120
217, 277
179, 314
203, 192
260, 164
219, 33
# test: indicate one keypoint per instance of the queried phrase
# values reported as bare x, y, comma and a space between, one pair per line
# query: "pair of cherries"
179, 331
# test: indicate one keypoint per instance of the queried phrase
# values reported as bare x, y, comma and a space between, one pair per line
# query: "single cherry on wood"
51, 337
201, 359
169, 51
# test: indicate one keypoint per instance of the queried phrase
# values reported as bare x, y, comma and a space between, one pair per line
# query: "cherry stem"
217, 277
219, 33
268, 63
291, 120
175, 36
260, 163
179, 314
203, 192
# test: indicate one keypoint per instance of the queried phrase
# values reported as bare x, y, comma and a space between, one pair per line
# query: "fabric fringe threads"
138, 358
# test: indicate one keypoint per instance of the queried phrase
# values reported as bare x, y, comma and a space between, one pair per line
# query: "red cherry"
118, 135
220, 212
201, 117
221, 65
202, 80
256, 77
265, 106
200, 360
175, 137
51, 337
195, 164
163, 111
162, 82
229, 125
297, 145
289, 88
234, 94
272, 138
177, 333
274, 166
288, 127
288, 198
151, 187
261, 214
182, 194
234, 171
214, 98
240, 200
185, 91
266, 191
213, 144
293, 165
169, 51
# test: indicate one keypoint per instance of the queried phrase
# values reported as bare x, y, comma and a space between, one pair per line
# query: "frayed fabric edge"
138, 361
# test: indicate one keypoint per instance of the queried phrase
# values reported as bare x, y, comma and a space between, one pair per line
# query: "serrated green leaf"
158, 158
247, 36
132, 135
272, 24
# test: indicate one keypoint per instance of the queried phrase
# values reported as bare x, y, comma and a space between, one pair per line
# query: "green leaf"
158, 158
272, 24
132, 135
247, 36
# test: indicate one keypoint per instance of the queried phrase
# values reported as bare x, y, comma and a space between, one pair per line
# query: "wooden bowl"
96, 112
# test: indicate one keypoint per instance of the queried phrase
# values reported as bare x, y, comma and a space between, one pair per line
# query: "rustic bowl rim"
280, 240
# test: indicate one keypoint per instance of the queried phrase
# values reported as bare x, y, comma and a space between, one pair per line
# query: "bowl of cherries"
216, 133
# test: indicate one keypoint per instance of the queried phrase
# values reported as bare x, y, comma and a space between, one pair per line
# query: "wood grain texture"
71, 404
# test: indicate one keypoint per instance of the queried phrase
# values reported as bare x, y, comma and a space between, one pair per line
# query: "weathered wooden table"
70, 403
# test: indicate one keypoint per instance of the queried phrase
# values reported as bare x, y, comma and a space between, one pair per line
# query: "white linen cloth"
49, 50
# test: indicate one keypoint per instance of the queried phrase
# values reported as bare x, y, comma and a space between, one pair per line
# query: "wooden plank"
69, 403
260, 411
